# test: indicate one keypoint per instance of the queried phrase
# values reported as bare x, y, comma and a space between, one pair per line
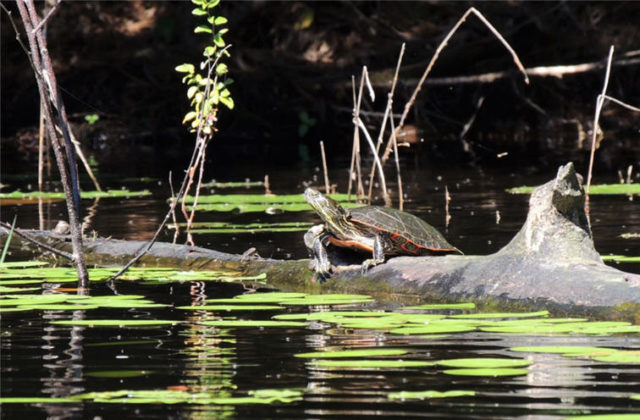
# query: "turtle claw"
366, 265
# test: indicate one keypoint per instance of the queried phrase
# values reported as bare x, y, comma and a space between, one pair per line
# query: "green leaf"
212, 3
370, 363
185, 68
203, 29
220, 20
199, 12
209, 51
91, 118
192, 91
205, 81
228, 102
221, 69
201, 3
217, 39
190, 115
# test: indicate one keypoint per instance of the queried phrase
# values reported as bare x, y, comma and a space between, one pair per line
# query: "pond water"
196, 370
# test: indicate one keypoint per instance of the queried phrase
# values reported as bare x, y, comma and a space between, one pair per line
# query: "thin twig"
376, 158
355, 133
173, 213
84, 161
447, 199
558, 71
622, 104
46, 18
327, 184
31, 239
387, 111
596, 119
397, 159
41, 148
442, 45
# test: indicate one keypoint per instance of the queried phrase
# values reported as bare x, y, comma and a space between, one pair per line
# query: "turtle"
383, 231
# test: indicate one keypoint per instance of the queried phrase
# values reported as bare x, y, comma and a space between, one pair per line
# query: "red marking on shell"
350, 244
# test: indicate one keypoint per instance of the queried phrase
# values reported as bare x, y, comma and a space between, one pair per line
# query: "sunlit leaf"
220, 20
203, 29
185, 68
252, 323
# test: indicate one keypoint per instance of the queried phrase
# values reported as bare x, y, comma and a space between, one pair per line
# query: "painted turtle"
382, 231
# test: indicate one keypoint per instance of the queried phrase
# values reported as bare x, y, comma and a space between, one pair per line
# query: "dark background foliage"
116, 59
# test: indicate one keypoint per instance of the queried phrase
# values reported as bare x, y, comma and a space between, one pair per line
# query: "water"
43, 359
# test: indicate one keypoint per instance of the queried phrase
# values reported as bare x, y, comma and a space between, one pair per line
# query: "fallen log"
550, 263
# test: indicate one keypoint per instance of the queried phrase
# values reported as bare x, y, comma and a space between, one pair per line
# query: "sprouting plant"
91, 118
209, 89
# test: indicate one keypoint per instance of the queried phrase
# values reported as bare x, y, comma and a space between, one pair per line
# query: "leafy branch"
207, 93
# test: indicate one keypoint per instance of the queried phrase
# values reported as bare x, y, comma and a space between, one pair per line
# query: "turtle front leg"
378, 255
314, 240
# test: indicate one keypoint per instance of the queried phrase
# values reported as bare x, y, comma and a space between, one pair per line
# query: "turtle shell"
408, 233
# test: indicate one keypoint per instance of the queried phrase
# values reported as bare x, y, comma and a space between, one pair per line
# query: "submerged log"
550, 263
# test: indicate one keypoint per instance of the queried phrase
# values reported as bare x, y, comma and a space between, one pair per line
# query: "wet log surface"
550, 263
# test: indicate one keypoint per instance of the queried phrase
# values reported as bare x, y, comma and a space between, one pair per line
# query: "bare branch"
46, 18
442, 45
596, 119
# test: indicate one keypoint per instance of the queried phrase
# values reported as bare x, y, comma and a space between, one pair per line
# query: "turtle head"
329, 210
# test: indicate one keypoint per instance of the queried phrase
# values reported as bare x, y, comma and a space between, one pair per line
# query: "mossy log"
550, 263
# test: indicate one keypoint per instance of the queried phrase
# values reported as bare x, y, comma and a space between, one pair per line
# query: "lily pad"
352, 353
621, 258
427, 395
370, 363
262, 396
435, 328
117, 373
59, 307
621, 356
23, 264
251, 323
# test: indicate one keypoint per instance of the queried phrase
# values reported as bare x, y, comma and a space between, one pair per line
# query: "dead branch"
442, 45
